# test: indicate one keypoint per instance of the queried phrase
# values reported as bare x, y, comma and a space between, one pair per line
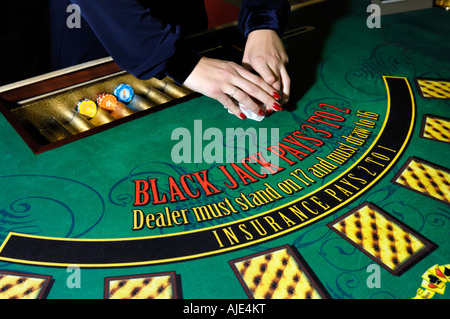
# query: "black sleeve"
263, 14
137, 41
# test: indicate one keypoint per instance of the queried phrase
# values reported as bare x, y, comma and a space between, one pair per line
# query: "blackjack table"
344, 194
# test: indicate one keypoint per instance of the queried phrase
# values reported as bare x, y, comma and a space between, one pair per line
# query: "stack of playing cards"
434, 280
249, 114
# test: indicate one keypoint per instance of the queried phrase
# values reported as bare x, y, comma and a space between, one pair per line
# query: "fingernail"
242, 116
276, 95
277, 107
261, 112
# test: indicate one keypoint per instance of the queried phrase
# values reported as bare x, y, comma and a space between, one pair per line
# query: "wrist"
267, 19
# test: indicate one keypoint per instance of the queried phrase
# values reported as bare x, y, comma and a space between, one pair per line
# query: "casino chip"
107, 101
124, 93
87, 107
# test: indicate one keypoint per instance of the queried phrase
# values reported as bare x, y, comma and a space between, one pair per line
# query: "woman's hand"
229, 83
266, 55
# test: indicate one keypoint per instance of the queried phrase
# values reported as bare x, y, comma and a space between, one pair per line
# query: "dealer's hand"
265, 53
228, 83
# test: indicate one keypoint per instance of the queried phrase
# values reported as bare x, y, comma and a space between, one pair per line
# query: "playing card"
249, 114
434, 280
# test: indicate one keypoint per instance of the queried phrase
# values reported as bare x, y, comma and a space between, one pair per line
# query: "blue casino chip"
124, 93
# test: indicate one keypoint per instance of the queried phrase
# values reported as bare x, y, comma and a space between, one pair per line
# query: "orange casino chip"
87, 107
107, 101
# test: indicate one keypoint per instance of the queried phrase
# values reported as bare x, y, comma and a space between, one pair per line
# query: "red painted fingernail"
277, 107
242, 116
276, 95
261, 112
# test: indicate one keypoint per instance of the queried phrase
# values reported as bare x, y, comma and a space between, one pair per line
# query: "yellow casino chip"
87, 107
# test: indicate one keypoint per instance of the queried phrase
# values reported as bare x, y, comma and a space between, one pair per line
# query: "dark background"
24, 39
